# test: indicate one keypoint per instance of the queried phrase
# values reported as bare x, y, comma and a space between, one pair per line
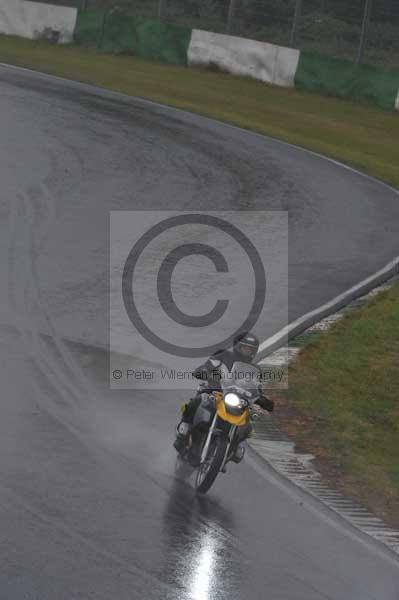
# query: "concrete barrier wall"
46, 16
12, 20
287, 60
31, 19
239, 56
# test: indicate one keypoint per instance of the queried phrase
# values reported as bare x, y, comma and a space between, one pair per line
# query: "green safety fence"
117, 33
336, 77
163, 42
88, 28
121, 34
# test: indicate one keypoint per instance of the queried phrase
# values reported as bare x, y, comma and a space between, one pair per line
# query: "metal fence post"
161, 9
365, 27
297, 16
102, 32
231, 14
84, 5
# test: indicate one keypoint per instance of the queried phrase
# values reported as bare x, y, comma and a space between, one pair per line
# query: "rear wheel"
208, 471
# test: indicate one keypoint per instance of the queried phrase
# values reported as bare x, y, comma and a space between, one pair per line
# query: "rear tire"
209, 470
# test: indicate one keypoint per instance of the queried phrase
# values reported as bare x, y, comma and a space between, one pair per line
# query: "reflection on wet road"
196, 545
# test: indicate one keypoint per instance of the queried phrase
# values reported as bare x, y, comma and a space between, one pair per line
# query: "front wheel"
208, 471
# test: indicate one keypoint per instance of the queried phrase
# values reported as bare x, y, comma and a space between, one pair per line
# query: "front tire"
209, 470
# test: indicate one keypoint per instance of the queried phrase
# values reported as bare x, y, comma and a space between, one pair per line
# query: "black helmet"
246, 345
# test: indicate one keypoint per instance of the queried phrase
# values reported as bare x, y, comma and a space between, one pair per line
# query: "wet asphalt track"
88, 506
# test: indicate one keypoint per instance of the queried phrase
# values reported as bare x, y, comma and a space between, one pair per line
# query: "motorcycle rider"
245, 348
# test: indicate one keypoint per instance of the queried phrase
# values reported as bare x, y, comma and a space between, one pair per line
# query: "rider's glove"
265, 403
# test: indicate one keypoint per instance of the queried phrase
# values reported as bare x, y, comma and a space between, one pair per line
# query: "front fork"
205, 449
232, 434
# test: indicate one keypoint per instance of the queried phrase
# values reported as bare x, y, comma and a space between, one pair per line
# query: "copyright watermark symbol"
183, 285
164, 283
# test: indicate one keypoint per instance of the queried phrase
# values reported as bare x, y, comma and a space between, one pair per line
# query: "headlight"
232, 400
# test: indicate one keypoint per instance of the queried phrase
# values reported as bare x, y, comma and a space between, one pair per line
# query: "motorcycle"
220, 425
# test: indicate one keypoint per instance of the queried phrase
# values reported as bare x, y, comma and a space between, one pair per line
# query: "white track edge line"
329, 306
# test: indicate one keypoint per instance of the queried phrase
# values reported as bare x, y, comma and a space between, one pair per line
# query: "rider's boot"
239, 453
183, 431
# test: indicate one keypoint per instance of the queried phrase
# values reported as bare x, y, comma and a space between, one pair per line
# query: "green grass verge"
344, 391
360, 136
